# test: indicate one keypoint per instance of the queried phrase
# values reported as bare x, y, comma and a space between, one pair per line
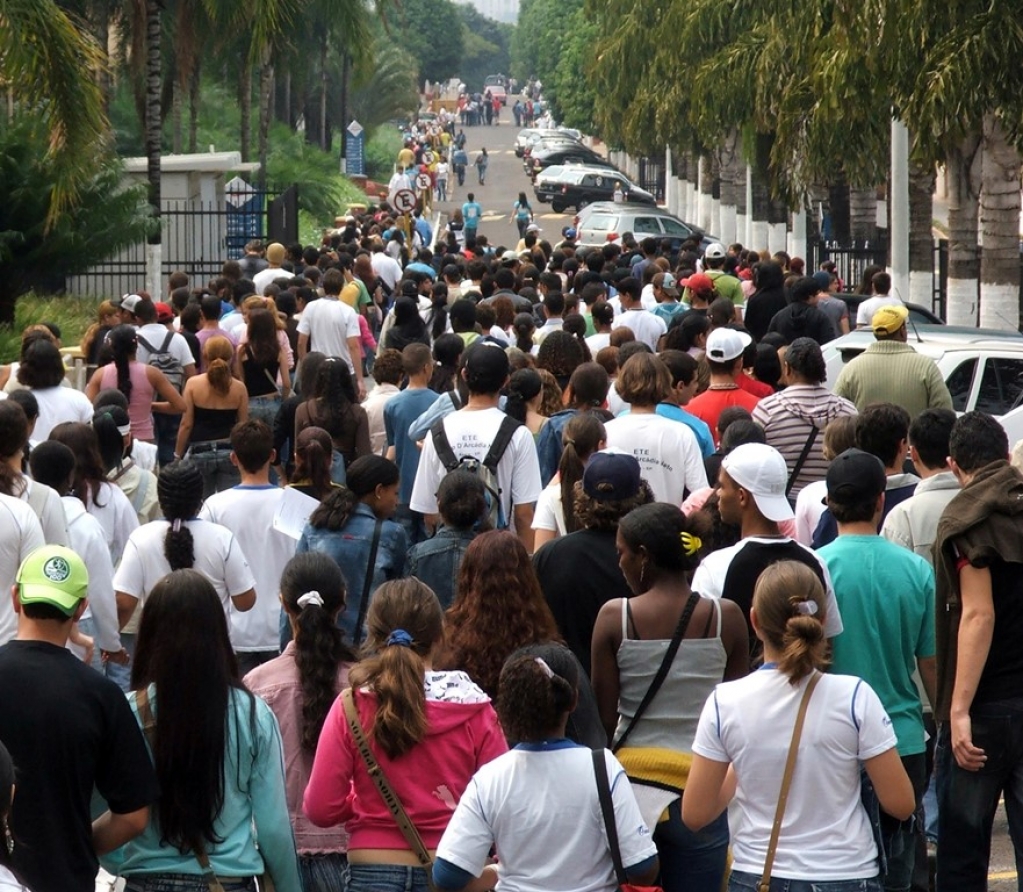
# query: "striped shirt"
789, 419
893, 372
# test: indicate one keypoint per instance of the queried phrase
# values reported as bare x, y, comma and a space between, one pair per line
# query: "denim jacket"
350, 548
436, 561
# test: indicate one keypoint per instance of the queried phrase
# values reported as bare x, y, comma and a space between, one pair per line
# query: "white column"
777, 237
715, 219
747, 235
669, 192
702, 211
692, 202
899, 211
678, 186
727, 231
797, 238
154, 270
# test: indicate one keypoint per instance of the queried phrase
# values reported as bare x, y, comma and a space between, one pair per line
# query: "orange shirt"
709, 405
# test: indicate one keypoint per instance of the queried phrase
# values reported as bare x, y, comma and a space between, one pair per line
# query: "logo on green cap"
57, 570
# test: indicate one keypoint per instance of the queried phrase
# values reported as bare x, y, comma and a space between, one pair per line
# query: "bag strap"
442, 447
786, 782
270, 378
662, 670
608, 811
146, 344
376, 773
807, 446
368, 582
145, 710
165, 346
501, 442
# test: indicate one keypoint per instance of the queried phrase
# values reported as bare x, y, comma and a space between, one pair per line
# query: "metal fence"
850, 260
197, 237
651, 176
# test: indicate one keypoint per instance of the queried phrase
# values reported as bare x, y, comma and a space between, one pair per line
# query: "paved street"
505, 179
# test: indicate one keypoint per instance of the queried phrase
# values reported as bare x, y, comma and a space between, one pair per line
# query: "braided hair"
179, 489
123, 343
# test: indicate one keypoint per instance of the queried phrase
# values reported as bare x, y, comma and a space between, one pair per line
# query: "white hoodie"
87, 539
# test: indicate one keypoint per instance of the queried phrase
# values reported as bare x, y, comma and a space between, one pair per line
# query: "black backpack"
486, 470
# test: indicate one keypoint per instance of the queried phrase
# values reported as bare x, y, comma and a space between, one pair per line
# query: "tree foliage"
487, 47
431, 32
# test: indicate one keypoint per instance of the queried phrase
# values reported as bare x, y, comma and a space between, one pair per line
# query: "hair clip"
806, 608
399, 637
690, 544
542, 663
310, 598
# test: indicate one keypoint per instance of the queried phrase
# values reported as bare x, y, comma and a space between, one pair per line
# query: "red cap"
164, 313
699, 282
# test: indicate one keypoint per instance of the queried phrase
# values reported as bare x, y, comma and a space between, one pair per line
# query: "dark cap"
611, 477
855, 476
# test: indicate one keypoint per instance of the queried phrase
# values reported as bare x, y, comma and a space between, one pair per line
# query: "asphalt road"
505, 179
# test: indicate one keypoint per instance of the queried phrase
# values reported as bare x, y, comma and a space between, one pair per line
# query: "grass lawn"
73, 315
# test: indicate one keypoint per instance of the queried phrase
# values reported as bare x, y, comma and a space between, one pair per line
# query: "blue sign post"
355, 150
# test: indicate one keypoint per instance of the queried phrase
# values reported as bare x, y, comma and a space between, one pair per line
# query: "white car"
983, 368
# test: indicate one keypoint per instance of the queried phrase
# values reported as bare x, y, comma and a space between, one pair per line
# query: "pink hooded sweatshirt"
462, 735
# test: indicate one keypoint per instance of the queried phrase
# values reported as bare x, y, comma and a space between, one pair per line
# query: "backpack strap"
501, 442
166, 342
440, 443
146, 344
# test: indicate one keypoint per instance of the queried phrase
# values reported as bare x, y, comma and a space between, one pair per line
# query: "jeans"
442, 190
412, 521
967, 800
386, 878
323, 873
185, 882
265, 409
691, 862
217, 471
748, 882
119, 675
903, 851
165, 429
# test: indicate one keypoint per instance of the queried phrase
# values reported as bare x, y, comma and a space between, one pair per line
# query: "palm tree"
50, 66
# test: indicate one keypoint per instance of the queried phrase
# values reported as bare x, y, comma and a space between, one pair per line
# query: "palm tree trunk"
177, 119
838, 204
193, 107
729, 201
921, 237
761, 209
863, 214
266, 82
245, 102
153, 132
999, 218
963, 162
323, 94
705, 197
741, 207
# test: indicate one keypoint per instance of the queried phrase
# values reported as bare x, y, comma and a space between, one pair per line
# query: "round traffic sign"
404, 200
423, 181
428, 157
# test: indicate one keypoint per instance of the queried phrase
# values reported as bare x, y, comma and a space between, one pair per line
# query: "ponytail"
404, 623
333, 512
581, 437
219, 375
790, 606
123, 343
217, 353
179, 489
313, 592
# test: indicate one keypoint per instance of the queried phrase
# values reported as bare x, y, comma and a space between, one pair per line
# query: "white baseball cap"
725, 344
761, 471
715, 251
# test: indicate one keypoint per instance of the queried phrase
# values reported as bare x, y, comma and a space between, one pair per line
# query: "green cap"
53, 575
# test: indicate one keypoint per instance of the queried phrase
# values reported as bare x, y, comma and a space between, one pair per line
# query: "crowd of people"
374, 567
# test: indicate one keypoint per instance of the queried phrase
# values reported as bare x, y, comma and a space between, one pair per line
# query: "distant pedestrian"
522, 213
481, 162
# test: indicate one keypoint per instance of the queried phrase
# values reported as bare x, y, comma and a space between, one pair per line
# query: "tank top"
140, 404
212, 424
670, 720
260, 378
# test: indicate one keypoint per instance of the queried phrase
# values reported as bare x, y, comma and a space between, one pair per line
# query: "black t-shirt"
1004, 665
745, 568
68, 729
578, 574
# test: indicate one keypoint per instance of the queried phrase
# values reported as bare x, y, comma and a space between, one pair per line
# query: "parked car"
577, 187
983, 368
528, 137
607, 221
565, 154
497, 84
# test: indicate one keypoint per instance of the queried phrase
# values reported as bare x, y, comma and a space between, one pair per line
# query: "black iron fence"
850, 260
651, 176
197, 237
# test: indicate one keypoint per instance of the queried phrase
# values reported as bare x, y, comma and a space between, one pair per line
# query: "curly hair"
320, 646
604, 516
535, 696
552, 402
498, 607
560, 354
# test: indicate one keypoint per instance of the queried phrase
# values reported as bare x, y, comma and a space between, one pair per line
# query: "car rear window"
600, 222
673, 227
1001, 385
646, 226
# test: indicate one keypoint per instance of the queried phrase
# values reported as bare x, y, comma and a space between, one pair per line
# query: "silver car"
607, 221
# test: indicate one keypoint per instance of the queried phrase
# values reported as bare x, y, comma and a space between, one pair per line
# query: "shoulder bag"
367, 585
149, 729
391, 800
807, 446
786, 783
611, 828
662, 670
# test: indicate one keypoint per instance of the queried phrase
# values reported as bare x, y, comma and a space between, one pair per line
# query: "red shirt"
751, 385
709, 405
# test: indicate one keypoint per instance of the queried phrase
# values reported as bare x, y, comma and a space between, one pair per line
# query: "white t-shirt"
87, 540
144, 455
46, 504
668, 453
20, 534
248, 512
709, 578
386, 267
550, 512
809, 509
218, 556
615, 404
267, 277
597, 342
156, 334
329, 323
538, 806
647, 327
866, 310
825, 834
57, 405
470, 434
116, 515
